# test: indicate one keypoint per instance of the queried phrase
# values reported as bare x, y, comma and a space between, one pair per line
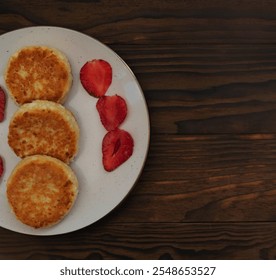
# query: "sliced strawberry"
2, 104
112, 111
117, 147
1, 167
96, 77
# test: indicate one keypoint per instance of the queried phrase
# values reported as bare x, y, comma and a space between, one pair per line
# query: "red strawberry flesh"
117, 147
1, 167
112, 111
2, 104
96, 77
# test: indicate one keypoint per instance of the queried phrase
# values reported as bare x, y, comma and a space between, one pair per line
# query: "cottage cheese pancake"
41, 190
44, 128
38, 72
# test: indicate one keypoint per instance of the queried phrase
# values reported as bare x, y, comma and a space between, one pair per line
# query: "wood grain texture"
205, 179
208, 72
148, 241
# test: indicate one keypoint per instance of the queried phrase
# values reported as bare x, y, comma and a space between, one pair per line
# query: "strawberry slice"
1, 167
112, 111
2, 104
117, 147
96, 77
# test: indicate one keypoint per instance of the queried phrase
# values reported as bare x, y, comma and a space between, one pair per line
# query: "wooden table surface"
208, 72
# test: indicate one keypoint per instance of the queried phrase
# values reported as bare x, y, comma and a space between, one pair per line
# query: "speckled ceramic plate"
99, 191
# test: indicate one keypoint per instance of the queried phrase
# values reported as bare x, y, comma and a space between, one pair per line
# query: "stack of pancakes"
42, 188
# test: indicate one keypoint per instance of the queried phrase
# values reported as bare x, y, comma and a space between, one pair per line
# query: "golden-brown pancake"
44, 128
38, 73
41, 190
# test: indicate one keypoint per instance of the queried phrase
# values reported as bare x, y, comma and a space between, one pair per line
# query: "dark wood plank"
209, 90
148, 241
140, 22
205, 178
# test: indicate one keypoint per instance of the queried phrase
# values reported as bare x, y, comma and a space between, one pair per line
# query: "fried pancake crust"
38, 73
45, 128
41, 190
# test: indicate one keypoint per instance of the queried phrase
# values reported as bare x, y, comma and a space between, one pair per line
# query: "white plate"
99, 191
